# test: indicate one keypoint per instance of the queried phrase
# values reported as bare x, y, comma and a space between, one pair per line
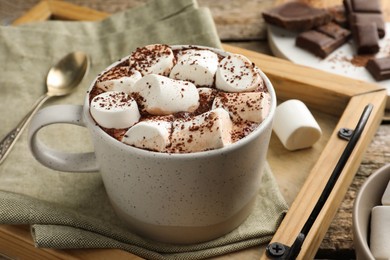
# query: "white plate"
282, 44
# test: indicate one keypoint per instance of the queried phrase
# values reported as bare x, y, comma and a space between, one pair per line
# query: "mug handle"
57, 160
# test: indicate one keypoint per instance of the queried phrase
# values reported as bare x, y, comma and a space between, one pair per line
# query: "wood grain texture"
320, 173
338, 241
235, 19
16, 243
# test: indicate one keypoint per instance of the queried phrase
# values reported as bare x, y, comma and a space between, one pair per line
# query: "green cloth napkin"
71, 210
56, 226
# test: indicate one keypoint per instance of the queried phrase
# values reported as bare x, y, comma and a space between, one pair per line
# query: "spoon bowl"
61, 80
66, 74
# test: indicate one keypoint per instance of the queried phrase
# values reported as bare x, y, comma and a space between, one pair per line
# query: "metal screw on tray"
276, 249
345, 133
61, 80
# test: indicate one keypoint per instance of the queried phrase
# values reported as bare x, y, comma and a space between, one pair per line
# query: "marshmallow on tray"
152, 59
114, 110
248, 106
380, 232
197, 66
118, 79
236, 73
206, 131
149, 134
163, 96
295, 126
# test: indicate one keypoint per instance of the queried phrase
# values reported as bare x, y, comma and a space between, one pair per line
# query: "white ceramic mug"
175, 198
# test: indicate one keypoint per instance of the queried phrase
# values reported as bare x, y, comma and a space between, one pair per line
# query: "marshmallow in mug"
248, 106
380, 232
163, 96
236, 73
295, 126
119, 79
149, 134
203, 97
152, 59
115, 109
380, 227
210, 130
207, 131
197, 66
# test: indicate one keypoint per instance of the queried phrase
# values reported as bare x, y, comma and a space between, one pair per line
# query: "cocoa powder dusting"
360, 60
143, 58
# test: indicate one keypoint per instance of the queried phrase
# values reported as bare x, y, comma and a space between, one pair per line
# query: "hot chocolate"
183, 100
155, 178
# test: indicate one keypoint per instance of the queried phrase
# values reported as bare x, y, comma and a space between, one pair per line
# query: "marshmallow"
163, 96
249, 106
151, 135
236, 73
114, 110
207, 92
380, 232
207, 131
197, 66
386, 196
117, 80
152, 59
295, 126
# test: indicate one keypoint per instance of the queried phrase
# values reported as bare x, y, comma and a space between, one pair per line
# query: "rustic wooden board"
331, 98
236, 20
47, 9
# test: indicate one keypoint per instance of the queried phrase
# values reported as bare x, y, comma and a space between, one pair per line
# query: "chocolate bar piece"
366, 38
365, 12
367, 6
323, 40
379, 68
335, 31
365, 18
297, 16
338, 14
315, 42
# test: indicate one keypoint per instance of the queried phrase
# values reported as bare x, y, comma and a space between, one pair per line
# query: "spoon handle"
10, 139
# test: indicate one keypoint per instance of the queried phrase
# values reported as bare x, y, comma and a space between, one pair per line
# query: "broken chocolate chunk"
379, 68
323, 40
315, 42
365, 18
366, 38
369, 6
297, 16
334, 30
365, 12
338, 15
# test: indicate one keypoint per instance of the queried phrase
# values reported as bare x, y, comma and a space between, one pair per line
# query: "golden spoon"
61, 80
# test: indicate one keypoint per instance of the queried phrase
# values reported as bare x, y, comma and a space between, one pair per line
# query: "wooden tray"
335, 101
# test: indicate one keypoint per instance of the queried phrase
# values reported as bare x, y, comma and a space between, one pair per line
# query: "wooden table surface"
239, 23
